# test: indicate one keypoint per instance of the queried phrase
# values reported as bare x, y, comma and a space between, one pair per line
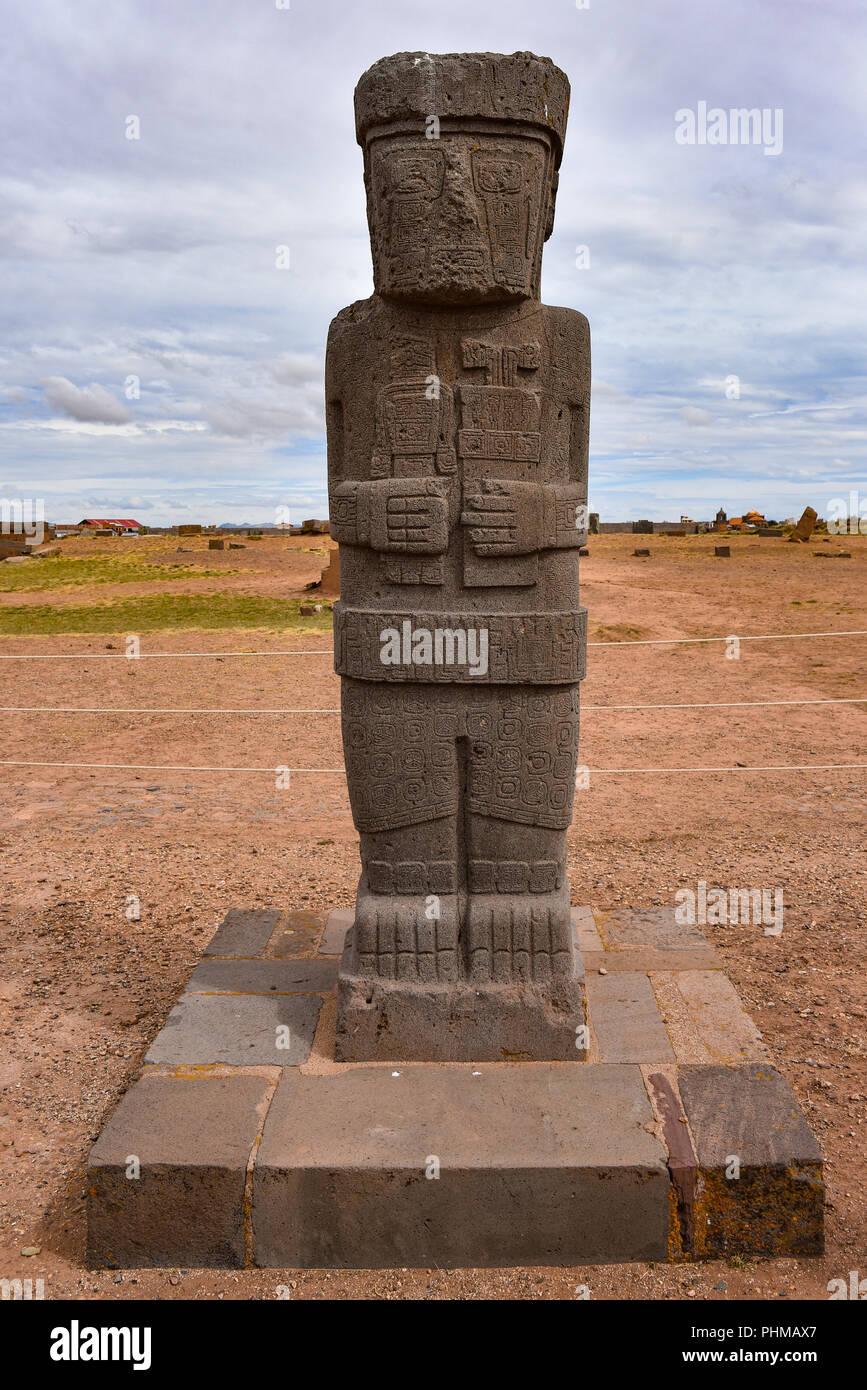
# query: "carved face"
461, 219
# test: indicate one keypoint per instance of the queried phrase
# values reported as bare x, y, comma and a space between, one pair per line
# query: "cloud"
298, 368
302, 413
84, 402
156, 257
604, 389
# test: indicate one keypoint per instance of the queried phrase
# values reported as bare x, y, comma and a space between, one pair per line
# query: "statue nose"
459, 209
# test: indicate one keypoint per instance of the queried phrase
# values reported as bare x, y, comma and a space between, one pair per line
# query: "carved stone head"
461, 155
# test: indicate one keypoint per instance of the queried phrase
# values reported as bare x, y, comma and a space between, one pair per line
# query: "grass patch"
616, 632
71, 571
154, 612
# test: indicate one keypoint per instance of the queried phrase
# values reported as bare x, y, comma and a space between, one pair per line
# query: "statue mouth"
446, 259
452, 291
451, 275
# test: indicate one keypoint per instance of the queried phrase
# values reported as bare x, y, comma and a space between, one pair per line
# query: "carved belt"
470, 648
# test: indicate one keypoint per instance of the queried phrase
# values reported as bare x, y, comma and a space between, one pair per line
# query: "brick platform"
243, 1143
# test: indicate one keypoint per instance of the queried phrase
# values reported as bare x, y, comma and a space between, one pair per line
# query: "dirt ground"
84, 990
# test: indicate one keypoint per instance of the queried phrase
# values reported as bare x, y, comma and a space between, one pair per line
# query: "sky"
159, 360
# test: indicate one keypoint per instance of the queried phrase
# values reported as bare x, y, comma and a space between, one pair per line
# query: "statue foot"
518, 936
398, 937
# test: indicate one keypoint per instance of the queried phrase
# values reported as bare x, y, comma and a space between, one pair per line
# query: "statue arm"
348, 508
397, 515
516, 518
566, 503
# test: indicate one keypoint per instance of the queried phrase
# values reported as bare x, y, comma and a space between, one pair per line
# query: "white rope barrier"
328, 651
585, 709
339, 771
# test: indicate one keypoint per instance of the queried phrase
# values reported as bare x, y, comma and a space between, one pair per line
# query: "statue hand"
409, 516
506, 517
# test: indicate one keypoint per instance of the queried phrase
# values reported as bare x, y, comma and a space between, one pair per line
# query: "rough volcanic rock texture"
458, 419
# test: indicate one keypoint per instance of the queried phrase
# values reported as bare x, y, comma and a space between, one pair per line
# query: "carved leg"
518, 923
461, 948
406, 916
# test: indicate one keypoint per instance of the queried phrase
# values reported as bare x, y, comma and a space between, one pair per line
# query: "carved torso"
446, 402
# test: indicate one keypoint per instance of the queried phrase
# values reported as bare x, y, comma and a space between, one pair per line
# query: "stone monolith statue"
458, 419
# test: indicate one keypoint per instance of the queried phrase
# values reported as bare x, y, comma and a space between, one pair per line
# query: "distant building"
748, 520
125, 527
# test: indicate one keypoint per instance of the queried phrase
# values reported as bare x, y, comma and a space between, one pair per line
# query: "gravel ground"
85, 989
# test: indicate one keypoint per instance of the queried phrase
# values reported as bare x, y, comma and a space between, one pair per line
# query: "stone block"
625, 1019
300, 976
334, 936
238, 1030
775, 1205
301, 932
647, 960
243, 933
192, 1139
387, 1020
706, 1020
329, 584
584, 927
804, 529
651, 926
538, 1165
682, 1162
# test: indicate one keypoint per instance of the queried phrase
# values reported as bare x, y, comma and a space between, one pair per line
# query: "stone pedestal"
244, 1143
382, 1020
523, 1005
